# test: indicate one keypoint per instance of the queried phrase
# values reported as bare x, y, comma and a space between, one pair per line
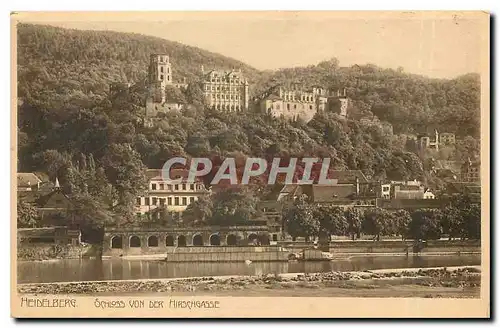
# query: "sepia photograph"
180, 161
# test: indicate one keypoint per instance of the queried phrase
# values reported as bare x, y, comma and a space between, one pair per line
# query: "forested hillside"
411, 103
56, 63
97, 145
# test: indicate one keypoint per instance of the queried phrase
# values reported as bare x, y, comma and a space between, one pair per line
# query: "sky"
436, 45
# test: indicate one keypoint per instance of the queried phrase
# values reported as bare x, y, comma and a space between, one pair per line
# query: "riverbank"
456, 282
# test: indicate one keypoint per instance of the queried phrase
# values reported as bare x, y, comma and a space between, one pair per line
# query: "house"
175, 197
28, 182
350, 187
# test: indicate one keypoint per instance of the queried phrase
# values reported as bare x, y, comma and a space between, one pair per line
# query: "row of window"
162, 70
182, 186
302, 98
163, 78
169, 201
288, 107
224, 80
225, 96
227, 107
226, 89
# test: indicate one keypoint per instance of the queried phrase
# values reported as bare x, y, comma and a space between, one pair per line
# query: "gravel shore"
434, 282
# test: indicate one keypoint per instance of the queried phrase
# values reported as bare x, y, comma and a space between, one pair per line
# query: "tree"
403, 220
450, 220
424, 225
378, 222
125, 171
471, 222
199, 212
300, 221
332, 221
27, 215
233, 206
353, 216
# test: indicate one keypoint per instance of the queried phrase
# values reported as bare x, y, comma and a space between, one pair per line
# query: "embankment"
39, 252
392, 246
433, 282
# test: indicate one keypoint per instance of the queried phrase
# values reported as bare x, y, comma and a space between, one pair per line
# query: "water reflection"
89, 270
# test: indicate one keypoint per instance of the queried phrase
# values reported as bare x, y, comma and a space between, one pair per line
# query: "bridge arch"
169, 240
197, 240
231, 240
135, 241
181, 241
215, 239
153, 241
116, 242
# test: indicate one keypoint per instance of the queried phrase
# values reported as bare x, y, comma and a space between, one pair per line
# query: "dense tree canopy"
78, 123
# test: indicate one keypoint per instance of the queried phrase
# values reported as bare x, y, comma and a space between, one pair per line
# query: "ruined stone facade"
294, 104
159, 77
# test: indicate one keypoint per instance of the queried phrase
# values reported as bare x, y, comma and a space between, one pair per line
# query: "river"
119, 269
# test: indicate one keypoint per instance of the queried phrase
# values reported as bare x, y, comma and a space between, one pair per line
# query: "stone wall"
227, 254
38, 252
391, 246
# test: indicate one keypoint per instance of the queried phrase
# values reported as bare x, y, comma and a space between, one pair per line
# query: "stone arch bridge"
161, 240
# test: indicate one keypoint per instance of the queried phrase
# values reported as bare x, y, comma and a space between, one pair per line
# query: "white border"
32, 5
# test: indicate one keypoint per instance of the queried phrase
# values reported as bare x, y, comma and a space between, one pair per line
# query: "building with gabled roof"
28, 181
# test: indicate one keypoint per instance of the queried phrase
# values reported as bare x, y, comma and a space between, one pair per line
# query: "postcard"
270, 164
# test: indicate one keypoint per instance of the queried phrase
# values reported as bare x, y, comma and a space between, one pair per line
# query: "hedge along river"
119, 269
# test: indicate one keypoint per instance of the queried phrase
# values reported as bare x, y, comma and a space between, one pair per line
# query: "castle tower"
160, 69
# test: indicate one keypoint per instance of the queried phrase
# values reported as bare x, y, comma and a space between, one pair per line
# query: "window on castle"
168, 69
146, 201
138, 202
191, 186
184, 201
191, 200
162, 201
311, 107
294, 106
176, 201
288, 106
154, 200
169, 201
161, 77
168, 77
176, 187
153, 186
